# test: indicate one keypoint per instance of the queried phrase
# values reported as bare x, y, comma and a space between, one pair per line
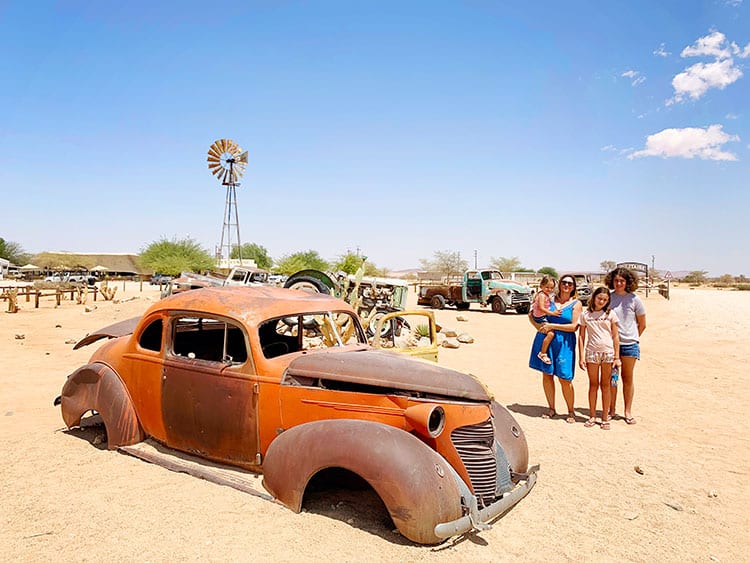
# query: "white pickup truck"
239, 275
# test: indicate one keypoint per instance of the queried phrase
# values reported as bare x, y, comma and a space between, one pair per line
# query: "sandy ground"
63, 498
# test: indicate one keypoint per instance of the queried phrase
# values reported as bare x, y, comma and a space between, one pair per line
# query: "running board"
180, 462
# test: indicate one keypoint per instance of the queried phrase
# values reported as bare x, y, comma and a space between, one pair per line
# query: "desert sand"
65, 498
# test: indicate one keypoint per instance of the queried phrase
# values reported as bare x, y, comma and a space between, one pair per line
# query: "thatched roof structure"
116, 264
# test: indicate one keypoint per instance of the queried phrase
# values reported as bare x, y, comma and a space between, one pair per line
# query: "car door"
209, 391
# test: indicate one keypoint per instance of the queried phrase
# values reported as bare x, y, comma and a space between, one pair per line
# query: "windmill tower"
227, 161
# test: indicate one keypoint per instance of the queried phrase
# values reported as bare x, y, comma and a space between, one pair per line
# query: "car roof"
251, 304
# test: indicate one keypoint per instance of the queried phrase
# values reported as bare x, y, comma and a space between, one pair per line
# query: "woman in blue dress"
562, 350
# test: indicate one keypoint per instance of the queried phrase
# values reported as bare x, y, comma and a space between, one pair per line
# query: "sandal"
549, 414
544, 358
630, 420
590, 422
605, 424
571, 419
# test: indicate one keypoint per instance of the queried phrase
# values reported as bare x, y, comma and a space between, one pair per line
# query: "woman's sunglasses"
566, 283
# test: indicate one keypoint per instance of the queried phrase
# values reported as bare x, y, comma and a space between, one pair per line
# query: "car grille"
474, 445
517, 297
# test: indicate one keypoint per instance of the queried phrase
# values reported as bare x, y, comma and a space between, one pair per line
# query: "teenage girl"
541, 310
599, 339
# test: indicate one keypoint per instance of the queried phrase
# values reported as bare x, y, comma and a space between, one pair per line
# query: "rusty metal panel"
376, 368
97, 387
415, 483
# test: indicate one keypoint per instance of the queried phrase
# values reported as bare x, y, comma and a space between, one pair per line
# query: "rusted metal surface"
383, 456
97, 387
123, 328
370, 367
192, 374
510, 435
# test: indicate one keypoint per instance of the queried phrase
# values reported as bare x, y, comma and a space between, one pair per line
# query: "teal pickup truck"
487, 287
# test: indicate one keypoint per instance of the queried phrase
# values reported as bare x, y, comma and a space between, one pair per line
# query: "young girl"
597, 344
540, 311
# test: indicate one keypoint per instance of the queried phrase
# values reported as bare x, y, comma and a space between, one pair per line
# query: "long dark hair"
631, 280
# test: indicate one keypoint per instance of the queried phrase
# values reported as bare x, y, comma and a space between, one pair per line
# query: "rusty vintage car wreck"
283, 382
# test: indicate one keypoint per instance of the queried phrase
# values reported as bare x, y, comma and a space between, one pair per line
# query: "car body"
71, 278
159, 279
283, 382
584, 286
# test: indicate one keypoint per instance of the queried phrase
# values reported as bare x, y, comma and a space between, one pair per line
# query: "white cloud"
731, 116
608, 148
690, 142
741, 53
634, 76
661, 51
712, 45
697, 79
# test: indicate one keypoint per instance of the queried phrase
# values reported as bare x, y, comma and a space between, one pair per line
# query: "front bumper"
477, 519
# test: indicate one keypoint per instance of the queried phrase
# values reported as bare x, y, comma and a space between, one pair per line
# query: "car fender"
417, 485
97, 387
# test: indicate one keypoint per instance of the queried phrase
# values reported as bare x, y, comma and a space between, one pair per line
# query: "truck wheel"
498, 305
308, 284
524, 310
462, 306
437, 302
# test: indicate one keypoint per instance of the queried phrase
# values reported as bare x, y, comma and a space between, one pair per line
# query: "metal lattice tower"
227, 161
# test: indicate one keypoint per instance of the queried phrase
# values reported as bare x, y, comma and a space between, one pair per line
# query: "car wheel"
523, 310
308, 284
498, 305
437, 302
462, 306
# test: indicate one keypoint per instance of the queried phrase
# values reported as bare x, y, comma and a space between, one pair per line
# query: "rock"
449, 332
424, 342
440, 338
462, 318
58, 326
712, 494
465, 338
451, 343
676, 507
20, 336
638, 470
631, 515
70, 341
90, 308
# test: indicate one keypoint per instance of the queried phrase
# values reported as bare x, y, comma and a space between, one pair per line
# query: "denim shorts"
630, 351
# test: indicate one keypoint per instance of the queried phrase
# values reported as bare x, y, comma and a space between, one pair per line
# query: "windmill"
227, 161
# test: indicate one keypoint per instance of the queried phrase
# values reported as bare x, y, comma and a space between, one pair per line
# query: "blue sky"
561, 133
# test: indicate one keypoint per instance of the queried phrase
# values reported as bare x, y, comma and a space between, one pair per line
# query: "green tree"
174, 256
297, 261
255, 252
502, 264
548, 271
12, 251
445, 262
350, 263
696, 276
607, 265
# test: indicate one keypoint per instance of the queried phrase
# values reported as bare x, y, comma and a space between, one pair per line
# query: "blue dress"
562, 349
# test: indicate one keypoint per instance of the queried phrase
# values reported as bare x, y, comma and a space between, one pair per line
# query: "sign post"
638, 268
668, 277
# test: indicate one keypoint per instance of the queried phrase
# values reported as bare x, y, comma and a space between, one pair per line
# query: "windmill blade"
241, 159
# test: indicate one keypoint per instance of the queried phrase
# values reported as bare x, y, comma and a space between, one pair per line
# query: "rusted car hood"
116, 330
389, 370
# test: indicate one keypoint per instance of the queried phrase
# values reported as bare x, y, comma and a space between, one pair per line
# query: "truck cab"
489, 287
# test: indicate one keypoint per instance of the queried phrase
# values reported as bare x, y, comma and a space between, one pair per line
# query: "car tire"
462, 306
498, 305
437, 302
523, 310
308, 284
